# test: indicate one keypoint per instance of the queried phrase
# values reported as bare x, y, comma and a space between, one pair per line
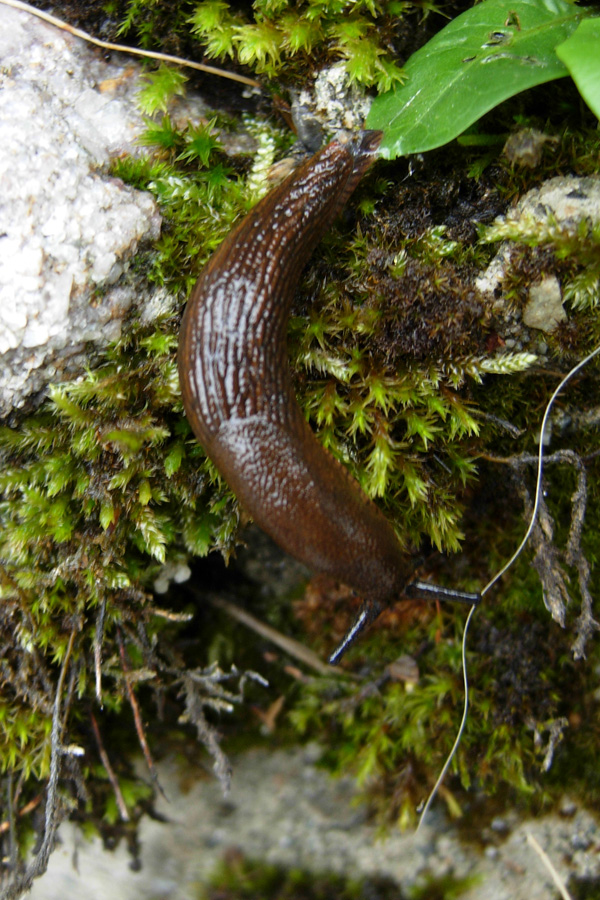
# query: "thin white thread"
538, 485
461, 728
538, 492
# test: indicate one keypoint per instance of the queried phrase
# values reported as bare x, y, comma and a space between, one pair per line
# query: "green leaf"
160, 134
150, 527
300, 33
145, 492
198, 533
126, 440
270, 7
159, 344
484, 56
208, 16
581, 57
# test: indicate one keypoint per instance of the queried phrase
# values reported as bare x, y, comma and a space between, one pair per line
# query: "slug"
237, 391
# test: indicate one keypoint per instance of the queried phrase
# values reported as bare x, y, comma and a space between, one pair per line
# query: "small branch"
139, 727
170, 615
25, 810
206, 733
555, 729
586, 624
502, 423
11, 827
52, 818
109, 771
547, 556
527, 459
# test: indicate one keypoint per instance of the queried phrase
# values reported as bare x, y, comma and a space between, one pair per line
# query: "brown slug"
238, 396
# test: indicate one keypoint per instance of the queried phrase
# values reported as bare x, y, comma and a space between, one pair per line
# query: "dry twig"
294, 648
109, 771
98, 650
549, 866
204, 688
139, 726
548, 558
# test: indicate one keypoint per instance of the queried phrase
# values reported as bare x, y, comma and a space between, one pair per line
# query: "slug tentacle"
237, 390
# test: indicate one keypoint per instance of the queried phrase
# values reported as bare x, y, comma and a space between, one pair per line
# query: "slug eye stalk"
424, 590
419, 590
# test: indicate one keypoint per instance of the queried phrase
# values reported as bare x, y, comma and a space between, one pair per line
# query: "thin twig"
139, 727
502, 423
170, 615
289, 645
57, 731
122, 48
109, 771
12, 831
206, 734
538, 484
559, 883
573, 555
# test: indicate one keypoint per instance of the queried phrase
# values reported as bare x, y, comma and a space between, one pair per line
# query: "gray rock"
284, 810
544, 308
69, 230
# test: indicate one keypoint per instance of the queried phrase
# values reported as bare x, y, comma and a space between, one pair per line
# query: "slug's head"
351, 154
364, 148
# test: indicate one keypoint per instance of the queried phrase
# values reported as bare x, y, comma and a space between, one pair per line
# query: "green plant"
482, 57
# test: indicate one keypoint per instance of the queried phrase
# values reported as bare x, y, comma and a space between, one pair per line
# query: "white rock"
544, 309
67, 226
565, 200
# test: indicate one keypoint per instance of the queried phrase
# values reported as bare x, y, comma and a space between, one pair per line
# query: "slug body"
237, 390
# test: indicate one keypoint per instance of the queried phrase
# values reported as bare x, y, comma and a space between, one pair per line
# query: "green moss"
96, 488
390, 352
277, 39
520, 663
394, 737
280, 40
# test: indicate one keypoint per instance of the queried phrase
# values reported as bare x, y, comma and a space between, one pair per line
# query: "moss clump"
279, 40
99, 488
238, 878
526, 720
